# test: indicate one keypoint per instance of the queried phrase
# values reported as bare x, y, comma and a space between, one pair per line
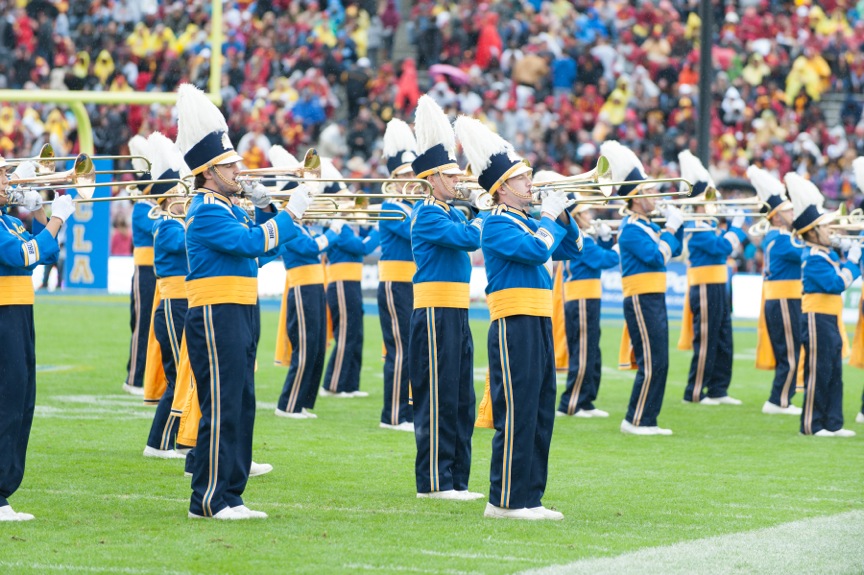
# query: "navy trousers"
168, 323
711, 366
395, 305
582, 322
523, 390
345, 301
783, 319
17, 394
307, 332
141, 308
222, 341
441, 358
645, 315
823, 373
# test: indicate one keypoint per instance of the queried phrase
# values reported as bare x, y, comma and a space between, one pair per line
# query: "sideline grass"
341, 497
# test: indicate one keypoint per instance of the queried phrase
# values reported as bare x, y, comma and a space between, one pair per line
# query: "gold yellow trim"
437, 169
783, 289
345, 272
396, 271
638, 284
707, 275
16, 290
172, 287
306, 275
505, 176
222, 289
519, 301
442, 294
143, 256
214, 162
582, 289
829, 304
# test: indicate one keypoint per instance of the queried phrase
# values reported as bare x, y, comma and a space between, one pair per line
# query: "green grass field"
342, 498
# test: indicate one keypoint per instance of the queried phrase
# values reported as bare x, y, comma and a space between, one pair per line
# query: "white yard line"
820, 545
490, 556
66, 568
402, 569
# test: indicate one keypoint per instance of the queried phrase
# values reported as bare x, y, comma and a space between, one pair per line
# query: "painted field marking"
66, 568
820, 545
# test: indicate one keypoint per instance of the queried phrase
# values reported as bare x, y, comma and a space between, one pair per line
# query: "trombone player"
707, 322
395, 291
223, 321
779, 331
645, 249
20, 252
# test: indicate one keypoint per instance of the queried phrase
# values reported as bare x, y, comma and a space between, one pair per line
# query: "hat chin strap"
519, 195
451, 190
234, 187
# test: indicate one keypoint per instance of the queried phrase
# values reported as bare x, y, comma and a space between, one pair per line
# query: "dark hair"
200, 180
810, 236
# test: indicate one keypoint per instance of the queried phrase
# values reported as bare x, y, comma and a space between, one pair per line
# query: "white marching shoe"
859, 418
593, 413
707, 401
9, 514
504, 513
132, 390
327, 393
769, 408
257, 469
470, 495
727, 400
308, 414
583, 413
404, 426
163, 453
226, 514
290, 414
359, 393
844, 433
629, 428
248, 513
451, 495
547, 513
823, 433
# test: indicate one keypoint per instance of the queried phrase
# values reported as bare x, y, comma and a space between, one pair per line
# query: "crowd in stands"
555, 78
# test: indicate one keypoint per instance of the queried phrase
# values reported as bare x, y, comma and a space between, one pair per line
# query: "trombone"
46, 161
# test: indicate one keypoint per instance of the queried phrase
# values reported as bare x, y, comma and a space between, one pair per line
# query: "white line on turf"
401, 569
818, 545
65, 568
493, 557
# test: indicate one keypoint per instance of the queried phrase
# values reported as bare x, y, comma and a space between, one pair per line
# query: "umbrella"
36, 7
457, 75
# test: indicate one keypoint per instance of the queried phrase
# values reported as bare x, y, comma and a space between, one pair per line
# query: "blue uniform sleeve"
596, 257
638, 243
710, 243
433, 225
261, 216
507, 239
606, 244
216, 227
825, 277
352, 244
171, 236
571, 246
26, 250
399, 228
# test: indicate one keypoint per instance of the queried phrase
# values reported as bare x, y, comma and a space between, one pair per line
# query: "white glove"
843, 243
32, 200
738, 219
62, 207
299, 202
25, 170
674, 218
604, 232
336, 226
854, 253
258, 194
553, 205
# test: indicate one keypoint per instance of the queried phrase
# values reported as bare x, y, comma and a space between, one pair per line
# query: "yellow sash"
283, 344
626, 355
484, 412
638, 284
396, 271
17, 290
519, 301
155, 380
442, 294
857, 358
697, 276
781, 289
186, 400
559, 328
143, 256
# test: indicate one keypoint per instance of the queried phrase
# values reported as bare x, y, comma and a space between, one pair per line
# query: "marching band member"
779, 332
345, 301
582, 291
395, 291
170, 267
857, 358
645, 250
441, 350
223, 323
306, 314
20, 252
824, 278
518, 251
707, 321
143, 279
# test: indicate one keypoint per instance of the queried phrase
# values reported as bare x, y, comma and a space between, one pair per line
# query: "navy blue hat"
202, 133
807, 203
771, 191
400, 147
436, 143
489, 155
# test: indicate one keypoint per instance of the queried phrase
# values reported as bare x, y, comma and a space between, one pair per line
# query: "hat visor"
232, 159
522, 169
452, 172
402, 170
